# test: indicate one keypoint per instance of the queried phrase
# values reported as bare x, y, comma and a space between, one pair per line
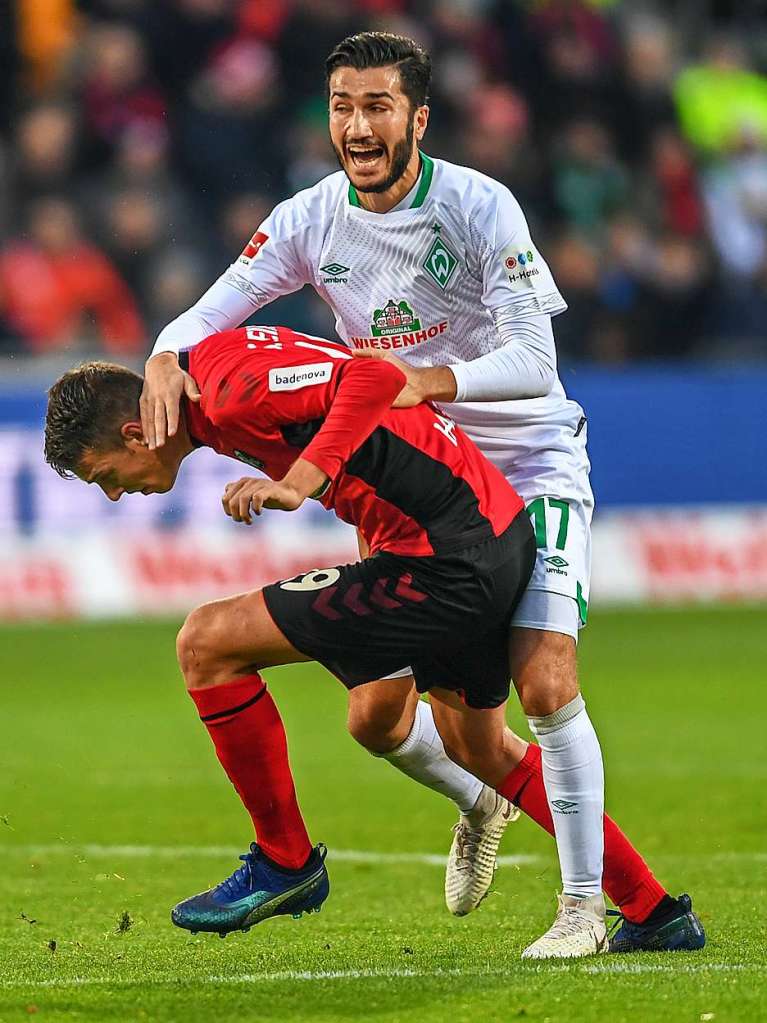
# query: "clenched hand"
249, 495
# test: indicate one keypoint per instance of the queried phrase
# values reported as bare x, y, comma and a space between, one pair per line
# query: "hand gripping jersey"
436, 282
411, 481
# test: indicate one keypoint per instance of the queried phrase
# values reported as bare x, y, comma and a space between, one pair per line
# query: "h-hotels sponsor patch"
253, 247
293, 378
519, 264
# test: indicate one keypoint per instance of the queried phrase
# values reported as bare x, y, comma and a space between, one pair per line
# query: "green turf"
101, 747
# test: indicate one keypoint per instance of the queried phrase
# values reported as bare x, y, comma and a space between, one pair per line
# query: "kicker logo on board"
293, 378
404, 339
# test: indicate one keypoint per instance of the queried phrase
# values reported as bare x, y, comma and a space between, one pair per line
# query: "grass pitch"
112, 808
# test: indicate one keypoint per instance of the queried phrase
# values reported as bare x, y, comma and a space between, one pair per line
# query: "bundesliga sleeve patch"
293, 378
253, 247
520, 264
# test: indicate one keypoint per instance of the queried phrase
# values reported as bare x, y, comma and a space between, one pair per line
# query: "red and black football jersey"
409, 479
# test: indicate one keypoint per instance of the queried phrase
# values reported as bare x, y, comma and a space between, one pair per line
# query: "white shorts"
557, 596
549, 612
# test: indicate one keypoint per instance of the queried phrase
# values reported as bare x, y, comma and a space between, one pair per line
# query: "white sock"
573, 776
422, 757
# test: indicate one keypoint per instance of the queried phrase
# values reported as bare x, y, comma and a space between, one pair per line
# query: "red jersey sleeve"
365, 392
259, 388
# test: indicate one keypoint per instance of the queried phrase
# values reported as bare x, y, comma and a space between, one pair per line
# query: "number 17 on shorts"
563, 540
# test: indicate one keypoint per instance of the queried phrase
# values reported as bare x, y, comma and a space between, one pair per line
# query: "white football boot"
471, 863
579, 929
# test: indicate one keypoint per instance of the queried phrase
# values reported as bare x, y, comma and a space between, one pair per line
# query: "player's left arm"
249, 496
519, 292
351, 403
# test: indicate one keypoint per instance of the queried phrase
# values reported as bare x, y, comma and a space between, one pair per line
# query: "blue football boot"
679, 931
254, 892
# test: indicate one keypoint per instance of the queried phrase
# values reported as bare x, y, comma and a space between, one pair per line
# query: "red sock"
246, 729
627, 879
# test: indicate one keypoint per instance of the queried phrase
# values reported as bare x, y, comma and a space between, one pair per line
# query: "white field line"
282, 976
94, 851
137, 852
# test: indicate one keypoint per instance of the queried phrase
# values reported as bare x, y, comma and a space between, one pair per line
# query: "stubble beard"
399, 161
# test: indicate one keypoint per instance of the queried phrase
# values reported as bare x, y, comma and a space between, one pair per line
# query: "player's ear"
133, 435
420, 121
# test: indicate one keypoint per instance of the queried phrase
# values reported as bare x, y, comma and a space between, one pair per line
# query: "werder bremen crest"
393, 319
440, 262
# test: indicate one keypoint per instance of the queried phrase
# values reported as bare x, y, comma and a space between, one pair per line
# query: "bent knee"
198, 644
378, 723
376, 733
544, 668
370, 734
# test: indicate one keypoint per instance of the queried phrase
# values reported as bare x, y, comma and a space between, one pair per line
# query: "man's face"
131, 468
372, 126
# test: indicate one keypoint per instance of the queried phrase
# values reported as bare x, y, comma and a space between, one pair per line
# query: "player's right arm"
271, 265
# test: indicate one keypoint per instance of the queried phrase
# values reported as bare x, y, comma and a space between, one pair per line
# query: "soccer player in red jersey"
451, 550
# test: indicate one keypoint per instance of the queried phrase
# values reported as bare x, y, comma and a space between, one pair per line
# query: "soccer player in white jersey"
434, 264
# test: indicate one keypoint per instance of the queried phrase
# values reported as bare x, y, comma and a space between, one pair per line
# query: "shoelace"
619, 919
468, 841
243, 875
568, 922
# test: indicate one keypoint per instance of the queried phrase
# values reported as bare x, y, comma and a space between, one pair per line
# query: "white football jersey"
424, 283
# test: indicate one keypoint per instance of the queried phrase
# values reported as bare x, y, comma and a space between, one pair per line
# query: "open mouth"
365, 156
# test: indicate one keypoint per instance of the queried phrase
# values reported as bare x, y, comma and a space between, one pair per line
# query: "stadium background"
142, 143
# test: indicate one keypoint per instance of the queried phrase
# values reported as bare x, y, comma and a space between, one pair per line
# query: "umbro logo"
556, 561
336, 273
564, 806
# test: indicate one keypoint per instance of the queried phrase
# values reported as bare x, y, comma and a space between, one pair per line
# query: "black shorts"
447, 615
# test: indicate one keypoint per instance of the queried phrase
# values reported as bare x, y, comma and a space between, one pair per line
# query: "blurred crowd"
142, 142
